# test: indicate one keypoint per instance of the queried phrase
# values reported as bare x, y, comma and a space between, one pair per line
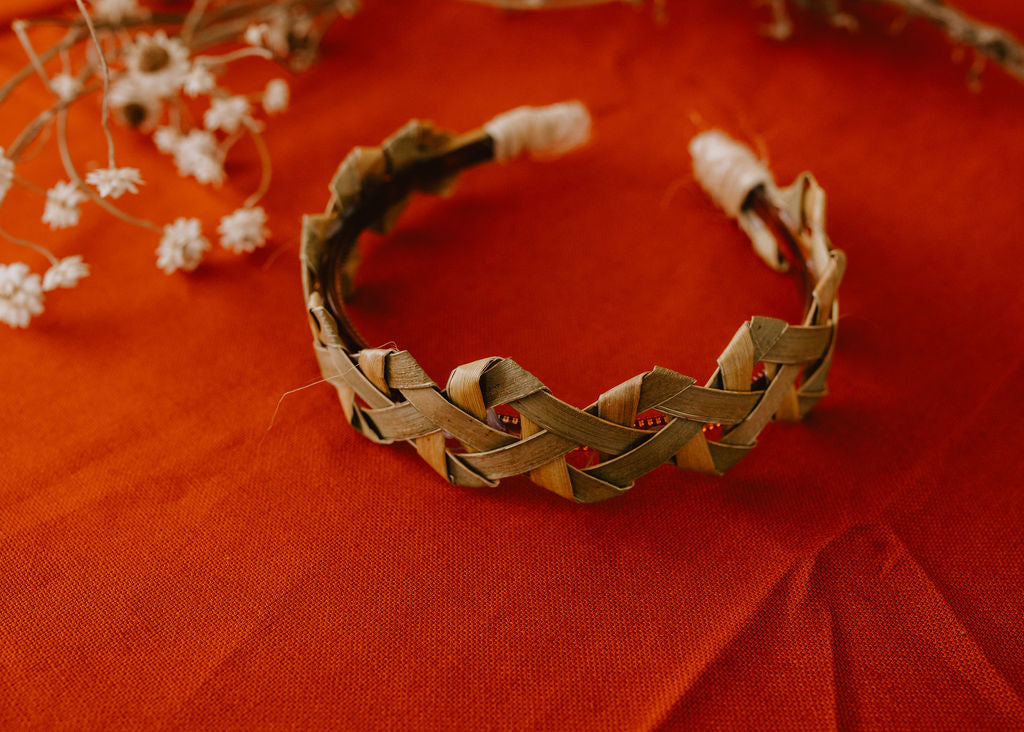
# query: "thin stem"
36, 126
69, 166
195, 15
105, 113
231, 141
39, 249
234, 56
32, 131
73, 37
38, 144
266, 167
26, 183
19, 30
77, 23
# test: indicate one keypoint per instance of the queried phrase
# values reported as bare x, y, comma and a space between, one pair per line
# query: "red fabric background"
165, 560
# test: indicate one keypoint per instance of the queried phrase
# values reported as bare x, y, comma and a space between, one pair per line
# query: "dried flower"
276, 96
182, 246
244, 230
199, 80
160, 61
65, 86
135, 101
115, 11
21, 295
62, 206
198, 154
255, 34
166, 139
66, 273
226, 113
6, 174
114, 182
144, 62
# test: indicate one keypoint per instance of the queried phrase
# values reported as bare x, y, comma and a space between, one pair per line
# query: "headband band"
494, 419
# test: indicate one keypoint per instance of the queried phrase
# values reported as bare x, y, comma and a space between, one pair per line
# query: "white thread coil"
727, 170
543, 131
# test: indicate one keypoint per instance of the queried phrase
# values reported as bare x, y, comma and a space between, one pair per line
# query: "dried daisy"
276, 96
115, 182
227, 113
244, 230
159, 62
21, 295
62, 206
136, 103
182, 246
198, 80
198, 154
166, 139
65, 273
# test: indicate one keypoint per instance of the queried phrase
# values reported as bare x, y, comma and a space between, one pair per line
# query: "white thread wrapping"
541, 131
727, 170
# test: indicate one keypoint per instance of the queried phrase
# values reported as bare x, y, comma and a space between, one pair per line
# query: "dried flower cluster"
159, 74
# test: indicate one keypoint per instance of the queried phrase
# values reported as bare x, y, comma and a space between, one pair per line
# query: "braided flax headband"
466, 431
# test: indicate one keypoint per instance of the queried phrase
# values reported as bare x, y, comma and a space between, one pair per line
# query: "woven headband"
494, 419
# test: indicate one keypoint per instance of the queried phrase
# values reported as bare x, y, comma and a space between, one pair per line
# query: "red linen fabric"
180, 547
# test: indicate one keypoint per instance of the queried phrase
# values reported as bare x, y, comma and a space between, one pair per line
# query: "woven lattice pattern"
463, 430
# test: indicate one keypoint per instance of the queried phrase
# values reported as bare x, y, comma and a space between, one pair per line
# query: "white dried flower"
199, 80
66, 273
256, 33
21, 295
244, 230
160, 61
62, 206
182, 246
166, 139
135, 101
198, 154
115, 182
65, 86
276, 96
116, 11
226, 113
6, 174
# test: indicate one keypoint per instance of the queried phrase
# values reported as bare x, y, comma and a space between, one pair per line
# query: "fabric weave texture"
167, 561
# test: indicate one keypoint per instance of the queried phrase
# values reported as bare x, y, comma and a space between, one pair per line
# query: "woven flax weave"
463, 429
